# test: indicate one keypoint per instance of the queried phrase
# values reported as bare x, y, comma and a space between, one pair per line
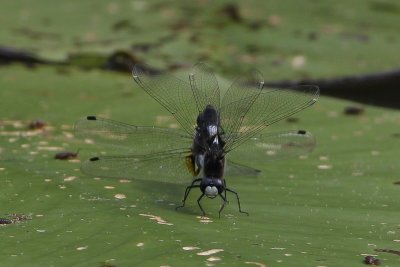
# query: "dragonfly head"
211, 187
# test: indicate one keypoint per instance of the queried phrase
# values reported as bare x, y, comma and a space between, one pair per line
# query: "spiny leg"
187, 191
237, 196
223, 204
198, 202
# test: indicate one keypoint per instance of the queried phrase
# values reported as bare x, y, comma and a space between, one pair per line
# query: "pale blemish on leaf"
109, 187
298, 62
323, 158
70, 178
158, 219
212, 258
256, 263
119, 196
210, 252
303, 157
140, 244
375, 153
324, 167
81, 248
204, 219
68, 135
190, 248
89, 141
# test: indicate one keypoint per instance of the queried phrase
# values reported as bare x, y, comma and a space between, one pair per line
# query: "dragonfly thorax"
208, 123
214, 162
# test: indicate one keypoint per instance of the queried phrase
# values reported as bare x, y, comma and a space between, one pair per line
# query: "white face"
211, 191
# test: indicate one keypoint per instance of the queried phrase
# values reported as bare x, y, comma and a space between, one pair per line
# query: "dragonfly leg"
223, 204
187, 191
226, 200
198, 202
237, 196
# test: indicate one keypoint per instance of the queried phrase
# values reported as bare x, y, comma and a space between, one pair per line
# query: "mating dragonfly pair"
213, 125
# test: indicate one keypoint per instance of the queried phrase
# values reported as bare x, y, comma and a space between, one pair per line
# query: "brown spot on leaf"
36, 124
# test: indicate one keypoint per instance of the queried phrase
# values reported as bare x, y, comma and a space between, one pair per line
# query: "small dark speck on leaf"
397, 183
5, 221
312, 36
65, 155
253, 49
396, 135
36, 124
231, 11
292, 119
256, 25
352, 110
123, 24
371, 260
15, 218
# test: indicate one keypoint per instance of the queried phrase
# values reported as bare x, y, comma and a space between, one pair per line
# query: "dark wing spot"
301, 132
91, 118
94, 159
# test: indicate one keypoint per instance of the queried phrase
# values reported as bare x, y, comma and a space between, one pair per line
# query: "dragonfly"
214, 124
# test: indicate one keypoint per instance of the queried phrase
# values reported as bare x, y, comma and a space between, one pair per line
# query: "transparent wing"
165, 167
237, 101
236, 169
278, 145
114, 137
204, 86
269, 107
172, 93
